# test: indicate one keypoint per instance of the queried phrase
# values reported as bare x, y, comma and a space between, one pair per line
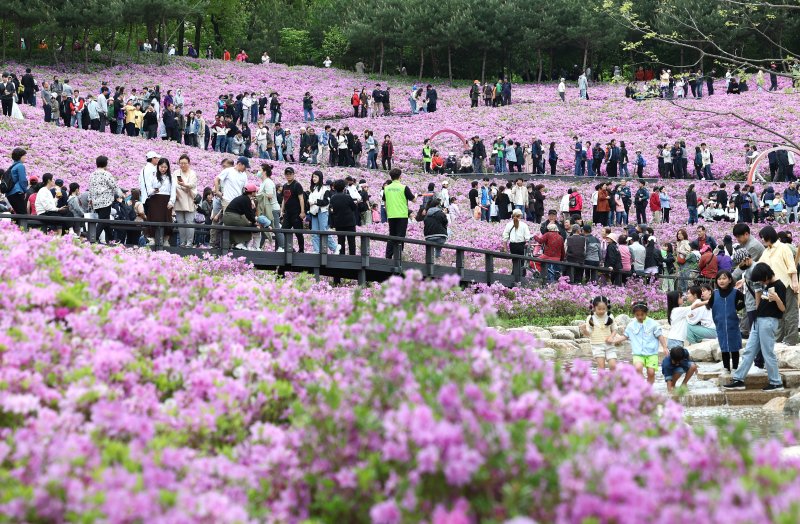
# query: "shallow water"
761, 423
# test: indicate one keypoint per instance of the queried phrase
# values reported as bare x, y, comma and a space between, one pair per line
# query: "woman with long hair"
163, 200
319, 198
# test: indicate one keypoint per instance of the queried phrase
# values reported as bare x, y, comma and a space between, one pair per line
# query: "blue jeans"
622, 218
707, 172
499, 164
413, 104
279, 150
437, 251
762, 337
485, 212
264, 154
699, 89
221, 145
553, 272
623, 170
254, 114
320, 223
275, 116
578, 167
521, 208
372, 160
692, 215
477, 165
308, 115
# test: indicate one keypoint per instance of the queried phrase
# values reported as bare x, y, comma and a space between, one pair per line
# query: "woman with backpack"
185, 193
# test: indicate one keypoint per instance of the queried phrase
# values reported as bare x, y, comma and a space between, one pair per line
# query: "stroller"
534, 249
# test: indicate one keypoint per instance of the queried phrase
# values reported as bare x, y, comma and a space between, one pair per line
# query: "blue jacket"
723, 311
20, 178
791, 197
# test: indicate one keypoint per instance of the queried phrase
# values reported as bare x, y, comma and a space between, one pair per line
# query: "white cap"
446, 183
152, 154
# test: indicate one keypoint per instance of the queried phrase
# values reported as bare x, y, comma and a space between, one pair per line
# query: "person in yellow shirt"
778, 256
133, 118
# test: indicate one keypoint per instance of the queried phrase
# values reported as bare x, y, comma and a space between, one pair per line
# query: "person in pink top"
625, 256
619, 202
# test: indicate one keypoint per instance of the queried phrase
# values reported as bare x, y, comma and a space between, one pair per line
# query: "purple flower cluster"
139, 386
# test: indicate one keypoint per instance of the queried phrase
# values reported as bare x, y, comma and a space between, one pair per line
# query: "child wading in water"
675, 364
724, 303
646, 338
599, 327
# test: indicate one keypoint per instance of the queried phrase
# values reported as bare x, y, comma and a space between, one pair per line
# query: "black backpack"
573, 201
6, 181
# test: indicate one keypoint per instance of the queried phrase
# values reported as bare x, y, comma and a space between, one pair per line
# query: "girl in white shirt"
677, 315
700, 321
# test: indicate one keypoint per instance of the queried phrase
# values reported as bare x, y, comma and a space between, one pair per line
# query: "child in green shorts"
646, 338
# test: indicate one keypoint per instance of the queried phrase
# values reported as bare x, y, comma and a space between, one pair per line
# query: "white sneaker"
279, 250
240, 246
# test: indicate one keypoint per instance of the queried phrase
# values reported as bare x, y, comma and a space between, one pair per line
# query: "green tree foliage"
529, 39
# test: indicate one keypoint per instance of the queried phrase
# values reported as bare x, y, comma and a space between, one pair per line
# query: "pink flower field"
194, 390
138, 386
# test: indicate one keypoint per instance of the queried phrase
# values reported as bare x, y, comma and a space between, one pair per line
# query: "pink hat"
250, 188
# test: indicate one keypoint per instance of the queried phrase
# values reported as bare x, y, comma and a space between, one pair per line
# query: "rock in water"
792, 406
776, 404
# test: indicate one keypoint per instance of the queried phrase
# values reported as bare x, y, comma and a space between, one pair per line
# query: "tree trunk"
150, 31
449, 66
383, 45
162, 40
585, 55
85, 50
197, 26
112, 46
72, 47
483, 67
3, 29
681, 58
130, 38
374, 58
53, 49
539, 59
553, 73
181, 36
421, 61
217, 34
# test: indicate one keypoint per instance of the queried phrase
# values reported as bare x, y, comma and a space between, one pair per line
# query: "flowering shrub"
194, 390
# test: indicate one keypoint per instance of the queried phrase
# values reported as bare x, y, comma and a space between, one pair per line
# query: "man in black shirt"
473, 196
29, 85
241, 213
293, 208
770, 306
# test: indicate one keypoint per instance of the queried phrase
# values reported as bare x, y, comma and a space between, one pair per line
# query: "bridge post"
460, 263
516, 270
225, 243
489, 268
287, 248
429, 261
159, 237
91, 231
23, 225
323, 249
362, 273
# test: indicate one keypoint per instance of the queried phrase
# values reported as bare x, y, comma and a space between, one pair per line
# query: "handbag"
680, 259
313, 210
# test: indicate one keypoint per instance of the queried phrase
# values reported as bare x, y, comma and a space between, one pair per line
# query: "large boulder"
564, 348
704, 351
622, 321
546, 353
539, 332
792, 406
788, 356
562, 333
777, 404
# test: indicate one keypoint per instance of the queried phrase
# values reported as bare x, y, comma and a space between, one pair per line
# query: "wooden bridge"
472, 265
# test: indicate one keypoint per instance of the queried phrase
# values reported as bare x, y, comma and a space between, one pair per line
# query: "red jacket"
354, 100
552, 245
708, 265
655, 202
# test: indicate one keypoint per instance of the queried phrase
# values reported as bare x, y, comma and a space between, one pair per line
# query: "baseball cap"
152, 154
446, 183
263, 221
739, 256
244, 161
250, 188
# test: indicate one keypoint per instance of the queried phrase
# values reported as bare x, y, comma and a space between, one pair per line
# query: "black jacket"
652, 256
435, 223
576, 249
478, 150
613, 259
691, 199
169, 119
342, 211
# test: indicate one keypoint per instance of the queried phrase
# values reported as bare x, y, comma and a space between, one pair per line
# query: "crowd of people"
168, 195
